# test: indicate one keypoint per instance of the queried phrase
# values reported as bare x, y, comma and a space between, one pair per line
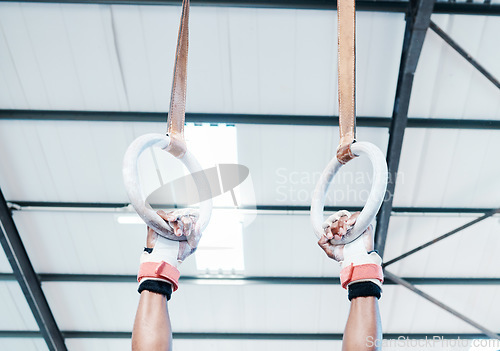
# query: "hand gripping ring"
377, 193
136, 195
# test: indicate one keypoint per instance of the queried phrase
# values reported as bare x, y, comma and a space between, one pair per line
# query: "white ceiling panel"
145, 59
63, 56
4, 263
449, 168
80, 242
95, 243
93, 306
209, 345
23, 344
286, 162
72, 161
404, 311
16, 314
470, 253
446, 85
476, 302
82, 161
267, 308
377, 62
241, 60
264, 345
252, 308
98, 344
248, 61
247, 345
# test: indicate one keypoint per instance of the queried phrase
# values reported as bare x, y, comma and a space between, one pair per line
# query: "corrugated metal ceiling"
119, 58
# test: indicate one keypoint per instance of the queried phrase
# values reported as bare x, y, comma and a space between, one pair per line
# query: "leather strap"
353, 273
159, 270
346, 19
177, 111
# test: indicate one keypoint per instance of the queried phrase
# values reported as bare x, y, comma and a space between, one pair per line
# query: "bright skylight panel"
214, 145
221, 246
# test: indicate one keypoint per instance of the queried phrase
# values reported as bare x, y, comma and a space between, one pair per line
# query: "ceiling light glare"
129, 219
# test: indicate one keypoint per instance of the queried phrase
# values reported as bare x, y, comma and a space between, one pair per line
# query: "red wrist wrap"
363, 271
160, 270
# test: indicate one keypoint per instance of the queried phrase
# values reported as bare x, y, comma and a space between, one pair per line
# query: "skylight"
221, 247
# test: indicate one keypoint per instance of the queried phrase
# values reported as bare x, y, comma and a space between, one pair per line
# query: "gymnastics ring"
377, 193
136, 195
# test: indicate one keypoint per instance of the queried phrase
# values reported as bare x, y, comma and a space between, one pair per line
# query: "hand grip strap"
177, 111
346, 21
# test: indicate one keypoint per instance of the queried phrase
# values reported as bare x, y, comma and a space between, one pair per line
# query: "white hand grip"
136, 195
377, 193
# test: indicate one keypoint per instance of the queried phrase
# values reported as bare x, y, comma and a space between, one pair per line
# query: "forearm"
152, 329
363, 327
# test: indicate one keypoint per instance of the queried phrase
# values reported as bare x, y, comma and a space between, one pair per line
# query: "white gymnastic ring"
136, 195
375, 199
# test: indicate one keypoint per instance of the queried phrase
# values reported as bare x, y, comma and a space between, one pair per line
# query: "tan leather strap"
346, 70
177, 111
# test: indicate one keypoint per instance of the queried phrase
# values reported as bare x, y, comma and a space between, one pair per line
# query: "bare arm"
158, 276
152, 330
363, 328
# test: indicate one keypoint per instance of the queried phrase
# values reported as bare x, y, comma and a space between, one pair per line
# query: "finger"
323, 240
343, 222
342, 231
326, 246
340, 226
176, 227
338, 253
184, 251
335, 227
180, 229
194, 238
162, 214
337, 237
170, 217
328, 233
353, 218
186, 224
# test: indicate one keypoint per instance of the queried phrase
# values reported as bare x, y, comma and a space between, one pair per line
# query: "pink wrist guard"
352, 273
159, 270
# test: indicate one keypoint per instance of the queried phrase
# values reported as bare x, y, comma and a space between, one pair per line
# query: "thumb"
184, 251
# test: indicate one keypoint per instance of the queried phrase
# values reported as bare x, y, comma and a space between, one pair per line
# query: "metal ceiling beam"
435, 28
234, 118
417, 22
444, 236
241, 336
408, 285
244, 280
124, 207
486, 9
27, 279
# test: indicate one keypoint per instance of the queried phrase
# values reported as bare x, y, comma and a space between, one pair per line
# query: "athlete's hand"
182, 222
335, 227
